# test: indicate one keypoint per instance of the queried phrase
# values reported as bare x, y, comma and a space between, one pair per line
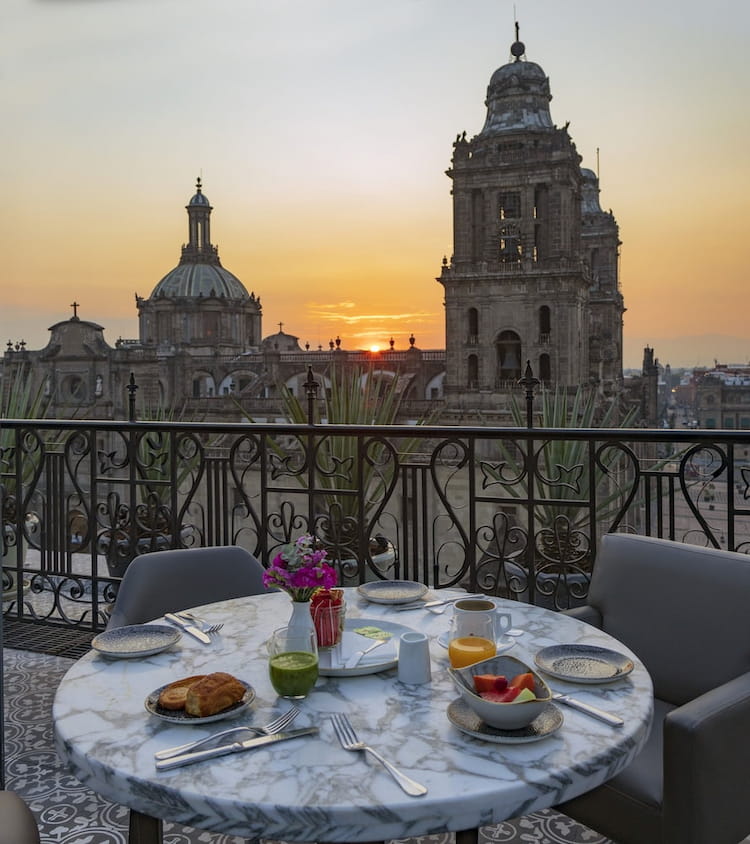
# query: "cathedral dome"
518, 97
195, 280
200, 273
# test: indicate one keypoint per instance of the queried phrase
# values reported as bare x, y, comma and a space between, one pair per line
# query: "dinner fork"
205, 626
271, 727
349, 741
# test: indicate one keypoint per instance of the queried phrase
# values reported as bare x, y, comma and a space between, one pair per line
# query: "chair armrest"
586, 613
707, 766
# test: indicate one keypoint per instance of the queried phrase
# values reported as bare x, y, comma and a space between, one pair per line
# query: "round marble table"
310, 789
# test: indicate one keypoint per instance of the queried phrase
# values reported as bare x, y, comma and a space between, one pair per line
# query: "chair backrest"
684, 610
168, 581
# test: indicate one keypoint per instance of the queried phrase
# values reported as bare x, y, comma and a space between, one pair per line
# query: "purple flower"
300, 569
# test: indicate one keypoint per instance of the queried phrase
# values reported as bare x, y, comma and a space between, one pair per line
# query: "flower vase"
300, 620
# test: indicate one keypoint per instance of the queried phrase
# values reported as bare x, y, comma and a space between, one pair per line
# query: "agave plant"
354, 398
354, 486
562, 491
562, 465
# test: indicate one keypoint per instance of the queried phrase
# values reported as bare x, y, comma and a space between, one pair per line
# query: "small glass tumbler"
328, 619
471, 639
293, 662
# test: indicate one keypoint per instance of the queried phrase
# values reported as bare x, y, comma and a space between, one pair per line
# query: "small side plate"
179, 716
583, 663
372, 663
392, 591
135, 640
463, 717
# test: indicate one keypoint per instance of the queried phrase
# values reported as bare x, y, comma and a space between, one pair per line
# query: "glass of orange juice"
471, 640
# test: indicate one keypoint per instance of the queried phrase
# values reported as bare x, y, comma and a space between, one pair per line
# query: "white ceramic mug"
467, 607
414, 659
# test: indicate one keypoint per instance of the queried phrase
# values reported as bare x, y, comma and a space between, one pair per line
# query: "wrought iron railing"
518, 512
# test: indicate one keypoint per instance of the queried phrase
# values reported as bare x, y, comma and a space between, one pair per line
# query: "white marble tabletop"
310, 789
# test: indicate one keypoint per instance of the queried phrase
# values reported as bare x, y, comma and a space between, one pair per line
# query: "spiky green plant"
154, 456
355, 397
562, 465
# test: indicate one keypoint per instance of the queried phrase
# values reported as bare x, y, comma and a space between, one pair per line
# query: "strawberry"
501, 683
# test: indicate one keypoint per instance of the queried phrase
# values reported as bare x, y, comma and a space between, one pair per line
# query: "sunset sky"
322, 130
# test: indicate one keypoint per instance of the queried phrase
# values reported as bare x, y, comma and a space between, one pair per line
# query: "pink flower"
300, 569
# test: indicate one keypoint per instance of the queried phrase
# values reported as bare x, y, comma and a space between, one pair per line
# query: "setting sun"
375, 348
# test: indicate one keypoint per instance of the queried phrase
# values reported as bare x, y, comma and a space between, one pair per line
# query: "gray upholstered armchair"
685, 611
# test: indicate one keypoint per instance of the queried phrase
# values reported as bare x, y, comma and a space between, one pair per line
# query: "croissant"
174, 695
213, 693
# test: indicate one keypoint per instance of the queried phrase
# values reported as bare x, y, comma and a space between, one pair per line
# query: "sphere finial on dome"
518, 48
198, 184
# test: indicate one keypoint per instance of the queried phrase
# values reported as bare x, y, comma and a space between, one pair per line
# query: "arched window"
508, 356
545, 368
472, 375
472, 319
544, 320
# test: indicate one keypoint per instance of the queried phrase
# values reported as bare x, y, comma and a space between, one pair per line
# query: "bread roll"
212, 694
173, 696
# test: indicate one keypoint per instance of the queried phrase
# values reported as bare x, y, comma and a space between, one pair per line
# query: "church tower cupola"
518, 96
199, 248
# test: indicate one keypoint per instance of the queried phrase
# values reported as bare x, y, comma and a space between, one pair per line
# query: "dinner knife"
595, 712
422, 605
188, 628
234, 747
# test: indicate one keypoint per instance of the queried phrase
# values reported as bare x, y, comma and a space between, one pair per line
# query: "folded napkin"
352, 642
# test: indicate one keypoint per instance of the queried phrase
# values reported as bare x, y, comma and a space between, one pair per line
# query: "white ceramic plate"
583, 663
502, 644
372, 663
135, 640
465, 719
392, 591
179, 716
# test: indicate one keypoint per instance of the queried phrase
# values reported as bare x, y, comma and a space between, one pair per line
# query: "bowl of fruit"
503, 691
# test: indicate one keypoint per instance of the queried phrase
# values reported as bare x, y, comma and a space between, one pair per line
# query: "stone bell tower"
519, 283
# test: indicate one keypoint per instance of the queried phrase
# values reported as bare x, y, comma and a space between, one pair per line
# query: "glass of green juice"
293, 662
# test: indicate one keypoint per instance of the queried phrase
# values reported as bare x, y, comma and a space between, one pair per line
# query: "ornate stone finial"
412, 340
307, 346
198, 184
391, 343
331, 344
445, 260
10, 345
338, 343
